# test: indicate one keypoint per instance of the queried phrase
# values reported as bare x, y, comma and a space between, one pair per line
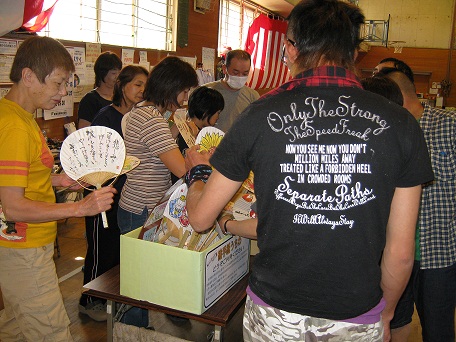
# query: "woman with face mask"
236, 94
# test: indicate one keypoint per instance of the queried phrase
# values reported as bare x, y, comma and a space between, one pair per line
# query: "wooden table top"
107, 286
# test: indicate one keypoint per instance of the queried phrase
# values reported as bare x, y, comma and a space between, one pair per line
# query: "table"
107, 286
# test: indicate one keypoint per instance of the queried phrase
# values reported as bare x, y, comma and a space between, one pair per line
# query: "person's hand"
64, 181
98, 201
193, 157
211, 151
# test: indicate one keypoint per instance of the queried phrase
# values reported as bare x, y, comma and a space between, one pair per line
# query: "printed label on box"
225, 266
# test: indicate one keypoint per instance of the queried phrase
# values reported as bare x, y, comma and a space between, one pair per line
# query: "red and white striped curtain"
264, 42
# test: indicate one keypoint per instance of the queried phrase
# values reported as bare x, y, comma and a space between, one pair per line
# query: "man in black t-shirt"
337, 172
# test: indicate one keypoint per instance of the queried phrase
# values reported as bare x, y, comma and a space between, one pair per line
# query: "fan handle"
105, 219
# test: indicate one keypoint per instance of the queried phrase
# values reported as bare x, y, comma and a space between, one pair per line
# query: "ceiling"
281, 7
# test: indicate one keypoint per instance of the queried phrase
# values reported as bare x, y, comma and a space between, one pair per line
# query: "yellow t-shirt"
25, 161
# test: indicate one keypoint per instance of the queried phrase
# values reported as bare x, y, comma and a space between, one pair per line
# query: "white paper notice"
6, 62
8, 47
127, 56
225, 266
208, 57
142, 56
93, 50
79, 80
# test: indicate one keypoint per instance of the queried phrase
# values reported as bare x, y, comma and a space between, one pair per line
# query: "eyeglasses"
284, 58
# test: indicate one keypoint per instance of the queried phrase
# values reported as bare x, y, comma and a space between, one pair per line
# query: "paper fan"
93, 155
180, 120
176, 208
157, 212
248, 183
208, 138
242, 208
129, 164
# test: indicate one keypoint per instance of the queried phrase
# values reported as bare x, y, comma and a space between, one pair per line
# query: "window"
235, 18
134, 23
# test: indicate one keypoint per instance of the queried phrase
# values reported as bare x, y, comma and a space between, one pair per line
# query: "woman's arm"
174, 161
18, 208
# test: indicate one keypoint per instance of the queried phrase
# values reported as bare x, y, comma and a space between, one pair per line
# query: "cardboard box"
181, 279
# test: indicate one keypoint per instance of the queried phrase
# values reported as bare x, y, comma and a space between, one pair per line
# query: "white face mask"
236, 82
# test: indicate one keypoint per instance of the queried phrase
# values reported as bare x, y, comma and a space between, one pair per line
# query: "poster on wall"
93, 50
8, 50
6, 62
143, 60
127, 56
8, 46
89, 75
79, 73
208, 57
82, 82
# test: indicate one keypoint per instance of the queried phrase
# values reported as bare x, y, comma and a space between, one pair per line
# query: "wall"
423, 28
202, 32
429, 65
419, 23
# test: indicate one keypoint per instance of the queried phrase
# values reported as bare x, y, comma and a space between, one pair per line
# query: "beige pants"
34, 309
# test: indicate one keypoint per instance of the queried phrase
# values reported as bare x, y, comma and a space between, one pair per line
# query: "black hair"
105, 62
204, 102
401, 79
401, 66
167, 79
384, 86
239, 54
127, 74
327, 30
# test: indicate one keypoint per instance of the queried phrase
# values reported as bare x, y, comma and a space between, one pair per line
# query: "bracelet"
199, 172
224, 231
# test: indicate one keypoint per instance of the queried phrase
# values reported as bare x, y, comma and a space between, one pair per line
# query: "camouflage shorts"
268, 324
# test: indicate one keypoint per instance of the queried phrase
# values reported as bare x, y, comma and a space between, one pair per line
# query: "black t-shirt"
90, 104
326, 161
109, 117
